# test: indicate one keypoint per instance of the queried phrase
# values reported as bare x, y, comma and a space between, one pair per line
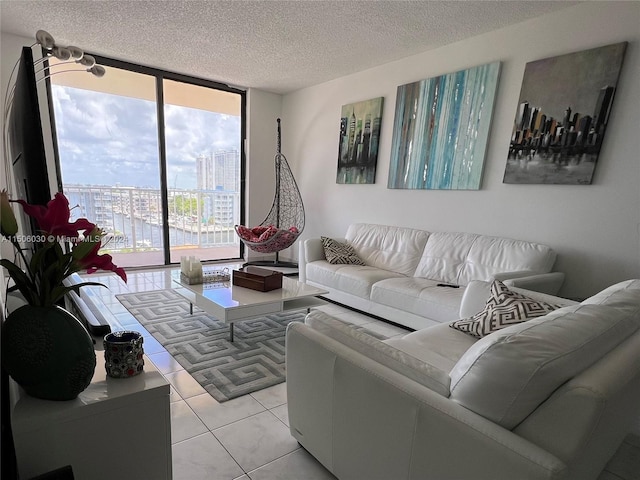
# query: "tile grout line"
236, 421
217, 440
275, 460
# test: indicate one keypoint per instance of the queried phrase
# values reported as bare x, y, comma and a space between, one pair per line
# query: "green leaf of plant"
37, 258
58, 292
24, 284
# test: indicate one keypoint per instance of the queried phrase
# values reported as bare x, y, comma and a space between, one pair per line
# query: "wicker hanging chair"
284, 222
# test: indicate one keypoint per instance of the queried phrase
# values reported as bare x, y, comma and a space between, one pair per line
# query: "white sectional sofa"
405, 268
550, 398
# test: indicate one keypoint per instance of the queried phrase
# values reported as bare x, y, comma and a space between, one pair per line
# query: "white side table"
116, 428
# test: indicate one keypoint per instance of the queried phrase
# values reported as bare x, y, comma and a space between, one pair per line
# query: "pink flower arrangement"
40, 278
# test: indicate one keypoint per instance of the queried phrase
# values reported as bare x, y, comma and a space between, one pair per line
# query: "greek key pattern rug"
200, 343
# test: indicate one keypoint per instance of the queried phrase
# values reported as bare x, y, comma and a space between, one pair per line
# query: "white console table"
116, 428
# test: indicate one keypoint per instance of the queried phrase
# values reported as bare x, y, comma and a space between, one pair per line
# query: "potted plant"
45, 348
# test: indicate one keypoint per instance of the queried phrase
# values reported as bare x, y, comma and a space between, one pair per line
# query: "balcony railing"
132, 217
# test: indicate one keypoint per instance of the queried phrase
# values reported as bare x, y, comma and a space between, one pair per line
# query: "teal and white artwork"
441, 130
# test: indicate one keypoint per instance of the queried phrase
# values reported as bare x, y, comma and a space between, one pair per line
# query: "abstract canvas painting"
441, 129
358, 142
562, 115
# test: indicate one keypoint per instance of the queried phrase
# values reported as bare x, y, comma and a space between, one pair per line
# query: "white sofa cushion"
391, 248
428, 375
419, 296
438, 345
458, 258
503, 309
507, 374
353, 279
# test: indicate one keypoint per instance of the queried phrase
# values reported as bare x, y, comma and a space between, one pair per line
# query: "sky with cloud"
106, 139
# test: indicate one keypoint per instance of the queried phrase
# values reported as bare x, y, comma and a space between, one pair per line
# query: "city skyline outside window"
109, 155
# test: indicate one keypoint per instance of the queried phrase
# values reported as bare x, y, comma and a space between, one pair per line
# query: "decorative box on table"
256, 278
206, 276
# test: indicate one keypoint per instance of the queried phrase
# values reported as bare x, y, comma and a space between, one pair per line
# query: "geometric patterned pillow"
504, 308
340, 253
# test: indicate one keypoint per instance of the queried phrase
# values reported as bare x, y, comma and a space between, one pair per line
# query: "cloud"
106, 139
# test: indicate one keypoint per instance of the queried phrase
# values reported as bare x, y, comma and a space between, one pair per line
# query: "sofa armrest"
310, 250
548, 283
474, 298
502, 276
478, 291
313, 250
425, 374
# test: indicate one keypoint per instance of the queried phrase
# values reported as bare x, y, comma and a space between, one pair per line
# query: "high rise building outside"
219, 171
227, 170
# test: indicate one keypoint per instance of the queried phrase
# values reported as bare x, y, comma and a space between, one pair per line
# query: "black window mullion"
162, 154
243, 163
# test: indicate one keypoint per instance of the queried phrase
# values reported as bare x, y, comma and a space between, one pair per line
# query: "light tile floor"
248, 438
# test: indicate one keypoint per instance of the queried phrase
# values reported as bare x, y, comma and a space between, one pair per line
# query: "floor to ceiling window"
154, 159
203, 134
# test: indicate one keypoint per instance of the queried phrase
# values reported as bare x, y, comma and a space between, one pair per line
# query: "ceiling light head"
87, 60
45, 39
76, 53
97, 70
61, 53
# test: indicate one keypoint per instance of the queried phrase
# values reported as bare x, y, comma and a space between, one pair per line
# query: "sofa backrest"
458, 258
395, 249
506, 375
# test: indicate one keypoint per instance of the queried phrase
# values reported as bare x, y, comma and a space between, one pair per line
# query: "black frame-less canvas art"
562, 115
358, 143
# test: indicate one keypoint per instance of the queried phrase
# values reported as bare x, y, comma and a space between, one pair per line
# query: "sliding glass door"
155, 161
203, 136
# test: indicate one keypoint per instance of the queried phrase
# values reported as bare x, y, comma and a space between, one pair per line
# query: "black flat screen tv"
26, 138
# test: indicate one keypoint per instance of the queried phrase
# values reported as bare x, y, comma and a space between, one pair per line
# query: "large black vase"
48, 352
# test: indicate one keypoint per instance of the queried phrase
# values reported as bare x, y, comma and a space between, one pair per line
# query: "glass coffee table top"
231, 303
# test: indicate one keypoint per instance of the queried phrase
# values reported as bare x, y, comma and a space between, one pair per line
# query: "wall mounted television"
26, 144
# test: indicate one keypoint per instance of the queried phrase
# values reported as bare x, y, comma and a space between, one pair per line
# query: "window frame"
160, 75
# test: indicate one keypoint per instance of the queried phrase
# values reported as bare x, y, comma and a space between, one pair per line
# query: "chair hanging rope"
285, 221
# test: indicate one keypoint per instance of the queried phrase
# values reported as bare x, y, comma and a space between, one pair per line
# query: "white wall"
263, 109
595, 229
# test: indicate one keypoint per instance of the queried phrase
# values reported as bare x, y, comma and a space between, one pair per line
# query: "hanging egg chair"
284, 222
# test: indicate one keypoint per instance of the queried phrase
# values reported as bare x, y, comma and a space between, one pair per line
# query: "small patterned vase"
123, 354
48, 352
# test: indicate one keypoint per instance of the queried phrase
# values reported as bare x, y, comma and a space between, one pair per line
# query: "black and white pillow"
504, 308
340, 253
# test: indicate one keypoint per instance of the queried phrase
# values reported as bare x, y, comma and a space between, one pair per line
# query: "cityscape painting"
358, 143
441, 129
562, 114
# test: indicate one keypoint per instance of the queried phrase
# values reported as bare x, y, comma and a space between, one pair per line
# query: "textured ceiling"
278, 46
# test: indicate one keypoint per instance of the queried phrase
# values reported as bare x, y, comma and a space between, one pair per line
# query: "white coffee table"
231, 304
